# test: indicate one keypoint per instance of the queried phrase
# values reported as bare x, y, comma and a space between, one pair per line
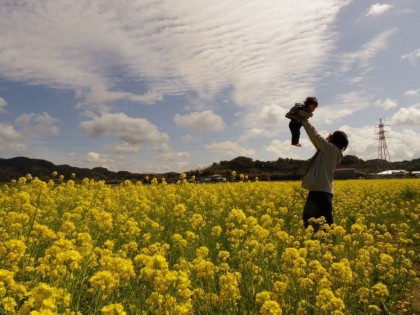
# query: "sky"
153, 86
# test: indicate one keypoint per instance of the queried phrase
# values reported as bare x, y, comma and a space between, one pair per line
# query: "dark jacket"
298, 112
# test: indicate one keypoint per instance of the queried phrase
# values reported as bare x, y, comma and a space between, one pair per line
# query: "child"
296, 114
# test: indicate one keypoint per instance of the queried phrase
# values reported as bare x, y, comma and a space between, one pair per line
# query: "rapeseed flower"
113, 309
229, 291
185, 249
380, 291
216, 231
328, 303
271, 308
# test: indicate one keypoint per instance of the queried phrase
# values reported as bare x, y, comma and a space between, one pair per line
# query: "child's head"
311, 103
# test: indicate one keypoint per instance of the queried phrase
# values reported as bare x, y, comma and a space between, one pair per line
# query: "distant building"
216, 178
204, 180
415, 173
348, 173
394, 173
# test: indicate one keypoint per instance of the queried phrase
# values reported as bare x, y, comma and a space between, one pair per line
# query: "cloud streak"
412, 56
378, 9
363, 57
170, 49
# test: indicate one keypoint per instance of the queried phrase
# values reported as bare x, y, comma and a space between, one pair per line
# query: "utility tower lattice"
383, 154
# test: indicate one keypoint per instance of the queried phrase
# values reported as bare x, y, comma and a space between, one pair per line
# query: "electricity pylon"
383, 154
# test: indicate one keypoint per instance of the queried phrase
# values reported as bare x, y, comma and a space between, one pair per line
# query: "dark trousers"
318, 204
294, 127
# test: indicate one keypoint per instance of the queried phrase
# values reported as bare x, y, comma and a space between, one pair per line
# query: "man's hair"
311, 100
339, 138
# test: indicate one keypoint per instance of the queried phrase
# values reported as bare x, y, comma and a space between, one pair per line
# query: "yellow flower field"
227, 248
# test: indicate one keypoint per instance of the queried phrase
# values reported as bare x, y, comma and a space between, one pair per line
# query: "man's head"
339, 138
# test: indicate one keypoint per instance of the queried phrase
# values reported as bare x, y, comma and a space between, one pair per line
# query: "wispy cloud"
100, 94
378, 9
363, 57
123, 148
345, 104
412, 56
254, 48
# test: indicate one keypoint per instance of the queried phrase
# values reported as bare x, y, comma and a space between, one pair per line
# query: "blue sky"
159, 85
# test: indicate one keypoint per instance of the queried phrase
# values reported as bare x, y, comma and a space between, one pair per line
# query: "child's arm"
304, 114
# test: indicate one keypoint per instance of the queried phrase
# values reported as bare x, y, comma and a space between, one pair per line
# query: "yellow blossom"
113, 309
271, 308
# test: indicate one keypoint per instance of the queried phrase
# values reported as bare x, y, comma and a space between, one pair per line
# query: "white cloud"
386, 104
402, 145
95, 159
32, 123
412, 56
285, 149
258, 133
130, 130
173, 156
231, 149
203, 121
361, 140
123, 148
272, 114
17, 147
161, 168
98, 158
3, 104
378, 9
162, 147
7, 132
187, 138
367, 53
406, 116
412, 92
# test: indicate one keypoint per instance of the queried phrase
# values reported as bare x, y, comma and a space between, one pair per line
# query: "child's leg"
295, 129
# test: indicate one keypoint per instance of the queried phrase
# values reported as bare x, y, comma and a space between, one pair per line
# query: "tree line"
280, 169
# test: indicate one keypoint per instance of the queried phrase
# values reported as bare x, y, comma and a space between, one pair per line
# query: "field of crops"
226, 248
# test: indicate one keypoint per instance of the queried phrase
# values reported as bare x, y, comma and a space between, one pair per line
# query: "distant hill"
273, 170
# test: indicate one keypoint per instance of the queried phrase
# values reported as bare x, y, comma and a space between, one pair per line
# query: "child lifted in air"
296, 114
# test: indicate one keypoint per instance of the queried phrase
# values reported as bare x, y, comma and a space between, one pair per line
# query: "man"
319, 174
